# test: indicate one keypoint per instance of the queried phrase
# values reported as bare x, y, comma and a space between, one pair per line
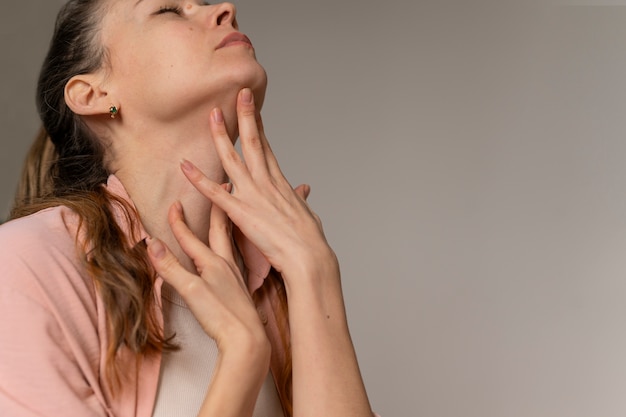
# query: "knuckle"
190, 288
212, 188
167, 265
248, 111
232, 156
255, 141
208, 188
222, 228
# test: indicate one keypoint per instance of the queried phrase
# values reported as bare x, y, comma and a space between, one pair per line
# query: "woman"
122, 231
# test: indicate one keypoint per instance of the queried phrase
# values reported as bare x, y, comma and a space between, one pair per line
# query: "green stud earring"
113, 111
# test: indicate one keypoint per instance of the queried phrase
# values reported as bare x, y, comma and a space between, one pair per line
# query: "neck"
148, 165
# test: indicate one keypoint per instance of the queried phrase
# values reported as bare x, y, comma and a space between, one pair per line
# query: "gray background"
468, 160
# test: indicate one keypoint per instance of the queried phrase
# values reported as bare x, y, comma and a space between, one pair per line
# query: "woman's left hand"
263, 205
279, 222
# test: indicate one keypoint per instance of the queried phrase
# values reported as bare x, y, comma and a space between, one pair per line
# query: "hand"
264, 206
278, 221
217, 296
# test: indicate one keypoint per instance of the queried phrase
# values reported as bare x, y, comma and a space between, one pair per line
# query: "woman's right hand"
216, 295
218, 298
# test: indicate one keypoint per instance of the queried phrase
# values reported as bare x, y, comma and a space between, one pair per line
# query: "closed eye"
170, 9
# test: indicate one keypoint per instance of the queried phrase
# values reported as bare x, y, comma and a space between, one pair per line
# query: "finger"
270, 158
192, 288
276, 173
231, 161
303, 191
221, 237
210, 189
167, 266
220, 232
251, 146
201, 254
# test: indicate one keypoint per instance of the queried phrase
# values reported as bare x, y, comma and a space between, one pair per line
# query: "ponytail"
36, 180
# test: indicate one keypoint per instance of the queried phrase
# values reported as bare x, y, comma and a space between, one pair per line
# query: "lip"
235, 38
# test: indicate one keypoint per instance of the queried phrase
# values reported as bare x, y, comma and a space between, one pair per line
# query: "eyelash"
177, 9
170, 9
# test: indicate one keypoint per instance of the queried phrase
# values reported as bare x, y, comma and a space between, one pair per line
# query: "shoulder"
39, 255
55, 222
51, 362
46, 228
50, 233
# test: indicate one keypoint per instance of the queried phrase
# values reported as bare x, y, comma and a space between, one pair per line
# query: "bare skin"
183, 97
277, 219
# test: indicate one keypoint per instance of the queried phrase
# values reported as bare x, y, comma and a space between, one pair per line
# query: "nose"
225, 14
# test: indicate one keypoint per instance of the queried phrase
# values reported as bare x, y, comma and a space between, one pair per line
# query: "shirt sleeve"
49, 345
39, 376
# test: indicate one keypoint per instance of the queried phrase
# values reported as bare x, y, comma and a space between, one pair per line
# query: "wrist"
315, 294
254, 362
242, 363
248, 348
312, 267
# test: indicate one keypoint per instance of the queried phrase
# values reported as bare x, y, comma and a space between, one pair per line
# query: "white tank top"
186, 374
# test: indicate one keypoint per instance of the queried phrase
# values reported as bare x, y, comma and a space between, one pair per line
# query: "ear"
85, 96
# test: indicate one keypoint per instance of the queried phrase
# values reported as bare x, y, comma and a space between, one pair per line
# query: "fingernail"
156, 248
186, 166
246, 96
218, 117
228, 187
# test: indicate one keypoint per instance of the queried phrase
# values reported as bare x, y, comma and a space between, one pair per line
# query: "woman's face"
170, 57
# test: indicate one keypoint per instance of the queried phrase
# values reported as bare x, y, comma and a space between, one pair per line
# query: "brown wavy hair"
66, 166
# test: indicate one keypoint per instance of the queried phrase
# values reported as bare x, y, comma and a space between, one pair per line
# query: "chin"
254, 77
256, 81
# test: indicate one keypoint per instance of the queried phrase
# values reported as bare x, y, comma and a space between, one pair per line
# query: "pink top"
53, 335
53, 331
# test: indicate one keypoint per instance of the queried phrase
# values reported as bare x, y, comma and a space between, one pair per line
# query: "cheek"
157, 51
140, 66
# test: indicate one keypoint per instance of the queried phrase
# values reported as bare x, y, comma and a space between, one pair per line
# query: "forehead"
120, 15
